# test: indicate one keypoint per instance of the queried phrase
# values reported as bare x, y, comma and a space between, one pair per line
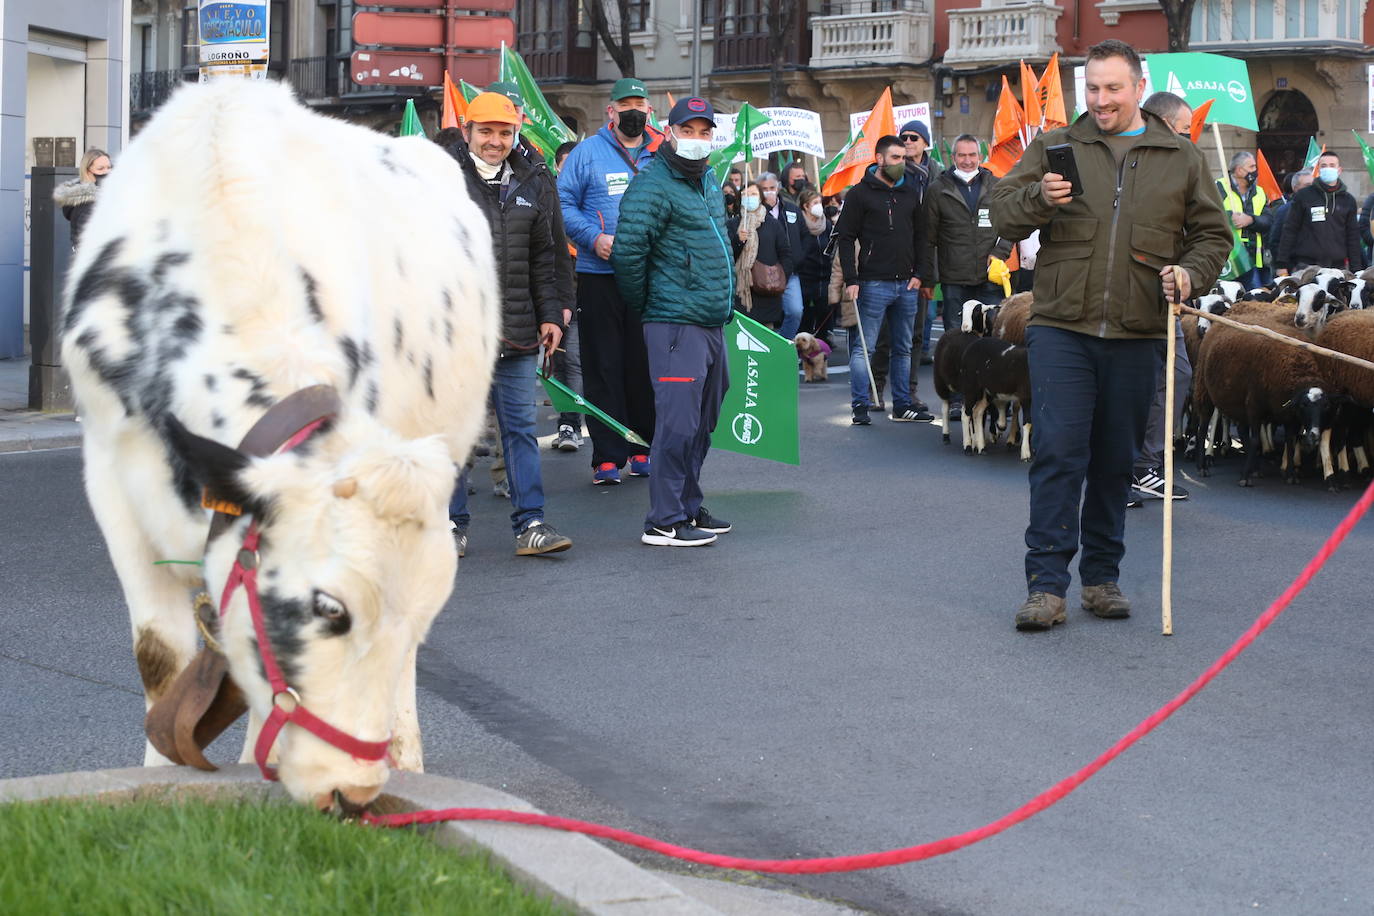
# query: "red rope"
936, 847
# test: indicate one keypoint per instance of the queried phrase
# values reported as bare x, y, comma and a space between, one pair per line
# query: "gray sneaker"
539, 537
1040, 612
460, 538
1106, 601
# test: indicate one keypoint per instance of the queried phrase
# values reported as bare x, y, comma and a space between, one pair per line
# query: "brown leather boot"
1106, 601
1040, 612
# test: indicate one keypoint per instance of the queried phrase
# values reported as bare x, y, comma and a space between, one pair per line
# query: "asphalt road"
838, 675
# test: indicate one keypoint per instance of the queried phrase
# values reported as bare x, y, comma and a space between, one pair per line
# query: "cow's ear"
214, 467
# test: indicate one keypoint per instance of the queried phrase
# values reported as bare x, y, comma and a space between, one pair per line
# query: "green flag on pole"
748, 119
1196, 77
834, 163
720, 160
537, 108
1314, 152
1367, 153
759, 414
469, 91
982, 151
1238, 263
410, 122
565, 400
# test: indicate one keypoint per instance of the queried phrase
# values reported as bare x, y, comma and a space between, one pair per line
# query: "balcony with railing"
1257, 25
150, 89
1000, 31
315, 77
850, 33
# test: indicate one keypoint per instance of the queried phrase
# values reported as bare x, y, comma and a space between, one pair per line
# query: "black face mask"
100, 178
632, 122
1250, 177
832, 211
799, 185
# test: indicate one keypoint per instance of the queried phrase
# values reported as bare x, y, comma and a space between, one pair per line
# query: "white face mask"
693, 148
771, 197
817, 210
750, 201
966, 177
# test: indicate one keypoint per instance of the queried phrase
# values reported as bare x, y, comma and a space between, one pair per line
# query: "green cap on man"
510, 89
628, 88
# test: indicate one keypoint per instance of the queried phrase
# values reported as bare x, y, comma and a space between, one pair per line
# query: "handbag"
767, 279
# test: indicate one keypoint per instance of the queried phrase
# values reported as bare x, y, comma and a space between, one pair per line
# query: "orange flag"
1051, 92
862, 151
1007, 145
671, 103
1199, 120
1265, 179
455, 107
1030, 98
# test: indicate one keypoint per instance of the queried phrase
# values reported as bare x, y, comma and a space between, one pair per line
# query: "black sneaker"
705, 521
911, 414
678, 534
1149, 483
926, 358
860, 417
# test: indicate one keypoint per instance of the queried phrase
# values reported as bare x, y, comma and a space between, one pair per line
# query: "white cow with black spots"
243, 249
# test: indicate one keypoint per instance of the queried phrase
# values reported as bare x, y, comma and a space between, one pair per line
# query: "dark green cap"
628, 88
510, 90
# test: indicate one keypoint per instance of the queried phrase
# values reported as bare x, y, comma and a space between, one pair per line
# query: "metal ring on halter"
248, 559
295, 698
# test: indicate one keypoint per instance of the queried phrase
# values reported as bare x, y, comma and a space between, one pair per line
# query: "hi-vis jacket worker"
1245, 201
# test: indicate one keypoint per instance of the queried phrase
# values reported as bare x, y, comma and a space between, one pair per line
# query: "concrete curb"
31, 430
569, 867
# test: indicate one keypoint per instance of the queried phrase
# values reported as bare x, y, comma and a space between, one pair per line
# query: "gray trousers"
689, 374
1152, 452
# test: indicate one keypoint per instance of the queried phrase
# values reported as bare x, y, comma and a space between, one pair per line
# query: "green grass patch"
155, 857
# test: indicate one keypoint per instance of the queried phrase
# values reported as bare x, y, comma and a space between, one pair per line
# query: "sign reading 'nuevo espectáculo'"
234, 39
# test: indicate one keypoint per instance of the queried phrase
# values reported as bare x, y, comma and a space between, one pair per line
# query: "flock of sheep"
1281, 398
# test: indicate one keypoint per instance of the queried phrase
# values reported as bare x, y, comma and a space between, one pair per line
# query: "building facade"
63, 86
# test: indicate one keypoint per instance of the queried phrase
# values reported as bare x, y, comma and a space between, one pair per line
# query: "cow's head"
355, 561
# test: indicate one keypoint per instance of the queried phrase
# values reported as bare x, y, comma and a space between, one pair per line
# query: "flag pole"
1221, 155
1166, 600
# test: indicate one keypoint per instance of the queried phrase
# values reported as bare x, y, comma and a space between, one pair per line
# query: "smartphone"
1063, 163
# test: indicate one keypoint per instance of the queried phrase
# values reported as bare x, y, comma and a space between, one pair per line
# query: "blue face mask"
1329, 174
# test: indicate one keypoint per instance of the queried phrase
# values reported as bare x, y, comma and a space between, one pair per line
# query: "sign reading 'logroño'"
233, 39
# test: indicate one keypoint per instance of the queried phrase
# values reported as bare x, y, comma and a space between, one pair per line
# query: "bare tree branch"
620, 50
782, 19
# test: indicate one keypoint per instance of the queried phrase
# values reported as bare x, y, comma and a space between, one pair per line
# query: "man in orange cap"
519, 202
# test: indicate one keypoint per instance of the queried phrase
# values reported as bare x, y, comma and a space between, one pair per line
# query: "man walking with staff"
1146, 204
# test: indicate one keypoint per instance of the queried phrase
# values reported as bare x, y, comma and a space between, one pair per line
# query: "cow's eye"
329, 608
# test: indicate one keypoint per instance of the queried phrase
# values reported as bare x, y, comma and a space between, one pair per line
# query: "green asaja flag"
1366, 152
469, 91
746, 122
1196, 77
1314, 152
410, 122
565, 400
720, 160
833, 164
537, 108
759, 415
1238, 263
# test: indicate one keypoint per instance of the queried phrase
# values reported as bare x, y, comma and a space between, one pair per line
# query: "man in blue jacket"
675, 269
615, 368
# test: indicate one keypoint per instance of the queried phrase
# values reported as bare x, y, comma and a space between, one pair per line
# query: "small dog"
815, 355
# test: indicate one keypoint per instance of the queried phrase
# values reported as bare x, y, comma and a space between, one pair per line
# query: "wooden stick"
1166, 599
1282, 338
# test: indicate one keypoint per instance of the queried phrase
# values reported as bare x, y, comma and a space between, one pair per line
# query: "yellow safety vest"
1232, 202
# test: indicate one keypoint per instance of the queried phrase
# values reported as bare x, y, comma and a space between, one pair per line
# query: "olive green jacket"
1100, 255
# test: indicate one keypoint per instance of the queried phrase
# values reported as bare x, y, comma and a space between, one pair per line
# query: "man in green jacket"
1096, 337
674, 267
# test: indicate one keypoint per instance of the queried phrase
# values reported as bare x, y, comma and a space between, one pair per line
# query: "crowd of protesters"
632, 255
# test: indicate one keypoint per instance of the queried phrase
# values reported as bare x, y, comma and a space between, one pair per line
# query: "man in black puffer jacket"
518, 201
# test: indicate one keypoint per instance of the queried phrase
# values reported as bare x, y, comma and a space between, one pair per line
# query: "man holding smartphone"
1104, 276
520, 204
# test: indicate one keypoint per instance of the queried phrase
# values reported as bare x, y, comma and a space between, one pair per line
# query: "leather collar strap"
293, 420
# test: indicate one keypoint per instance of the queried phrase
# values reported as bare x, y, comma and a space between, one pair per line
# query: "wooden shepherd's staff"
1166, 600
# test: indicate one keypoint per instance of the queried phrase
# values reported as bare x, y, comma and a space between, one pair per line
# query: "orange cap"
491, 107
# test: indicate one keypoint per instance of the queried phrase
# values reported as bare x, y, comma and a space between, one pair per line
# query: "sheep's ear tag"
219, 505
1288, 299
1288, 403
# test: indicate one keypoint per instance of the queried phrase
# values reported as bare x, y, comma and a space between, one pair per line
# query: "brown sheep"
1012, 320
1257, 381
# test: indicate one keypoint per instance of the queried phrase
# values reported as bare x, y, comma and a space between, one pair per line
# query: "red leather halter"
286, 702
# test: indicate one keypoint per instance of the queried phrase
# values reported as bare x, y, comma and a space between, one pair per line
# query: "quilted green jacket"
671, 256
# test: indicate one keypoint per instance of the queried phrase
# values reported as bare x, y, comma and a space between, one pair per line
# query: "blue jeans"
1090, 399
928, 325
512, 397
791, 308
879, 300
